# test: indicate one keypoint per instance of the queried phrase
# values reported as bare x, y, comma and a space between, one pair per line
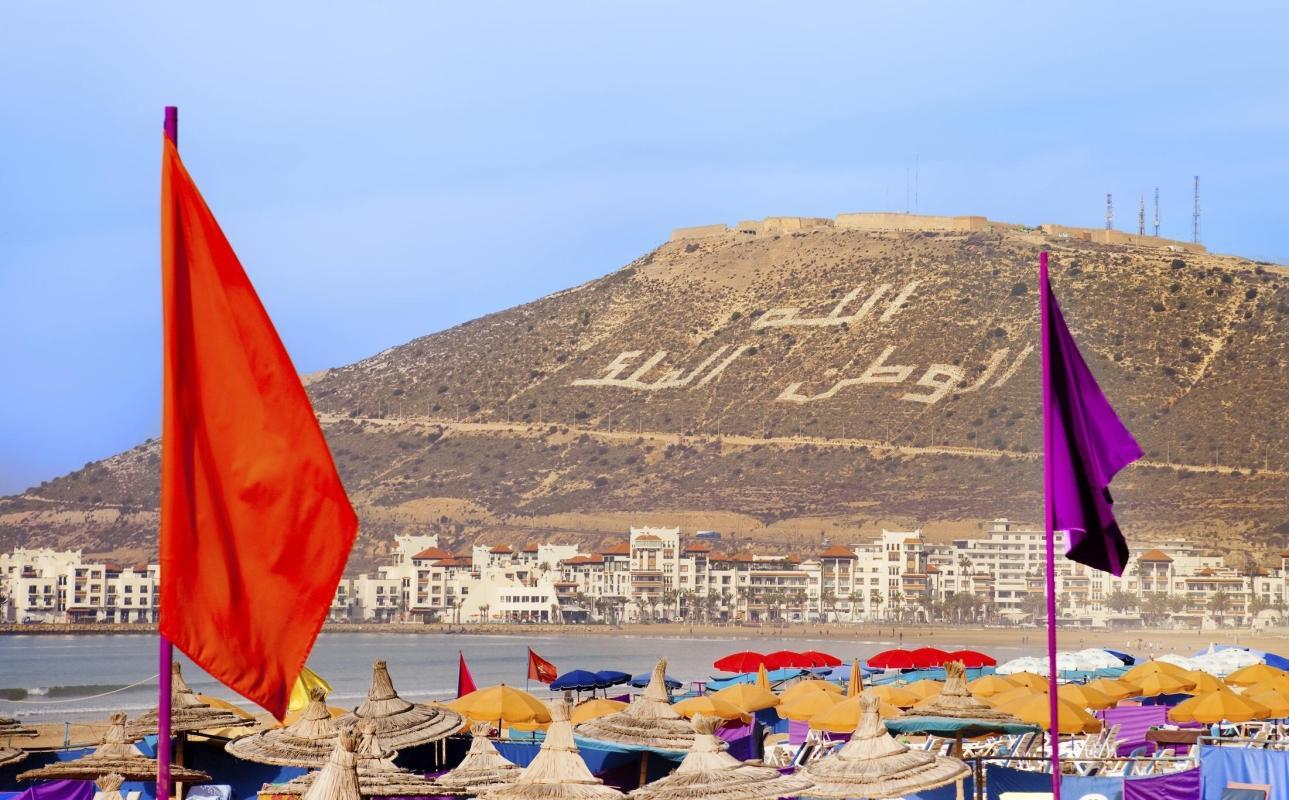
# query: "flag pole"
165, 651
1052, 697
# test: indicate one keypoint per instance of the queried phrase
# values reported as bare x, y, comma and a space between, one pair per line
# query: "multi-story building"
658, 573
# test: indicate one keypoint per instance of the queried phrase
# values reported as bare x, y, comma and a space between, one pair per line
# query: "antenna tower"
1141, 216
1195, 214
1109, 212
1156, 211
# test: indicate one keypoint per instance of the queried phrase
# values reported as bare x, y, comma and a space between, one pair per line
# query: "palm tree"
483, 611
875, 598
669, 599
827, 602
1218, 604
1121, 601
897, 604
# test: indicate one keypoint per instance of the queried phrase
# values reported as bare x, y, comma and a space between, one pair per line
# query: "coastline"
1141, 641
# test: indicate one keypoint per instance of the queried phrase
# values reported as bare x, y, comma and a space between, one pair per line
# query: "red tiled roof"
531, 547
454, 561
794, 559
837, 551
698, 547
434, 553
743, 558
1154, 555
619, 549
718, 557
501, 549
647, 537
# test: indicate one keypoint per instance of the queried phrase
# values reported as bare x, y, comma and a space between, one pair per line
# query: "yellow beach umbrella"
894, 695
1279, 684
1012, 695
1147, 668
844, 716
1035, 710
856, 684
305, 683
1084, 696
1223, 705
709, 705
990, 685
1276, 701
807, 705
762, 677
1204, 682
747, 697
1253, 674
924, 689
595, 708
809, 687
501, 703
1155, 684
1029, 679
1112, 687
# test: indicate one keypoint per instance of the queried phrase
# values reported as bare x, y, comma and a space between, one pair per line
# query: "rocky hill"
781, 386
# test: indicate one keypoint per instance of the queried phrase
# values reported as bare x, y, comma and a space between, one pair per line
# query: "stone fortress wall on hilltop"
895, 221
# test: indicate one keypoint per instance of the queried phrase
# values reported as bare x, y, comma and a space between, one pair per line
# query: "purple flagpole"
165, 652
1052, 697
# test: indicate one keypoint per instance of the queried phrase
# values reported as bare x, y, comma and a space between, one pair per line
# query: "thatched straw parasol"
710, 772
188, 712
10, 755
307, 742
12, 727
378, 775
109, 787
401, 724
956, 701
114, 755
338, 779
558, 772
482, 766
874, 765
650, 721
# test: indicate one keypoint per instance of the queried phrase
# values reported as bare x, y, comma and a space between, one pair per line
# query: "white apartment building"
658, 573
58, 586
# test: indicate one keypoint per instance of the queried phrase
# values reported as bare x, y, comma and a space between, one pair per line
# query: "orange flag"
255, 524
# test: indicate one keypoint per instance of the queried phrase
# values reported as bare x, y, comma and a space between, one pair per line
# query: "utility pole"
1141, 216
1156, 211
1195, 214
1109, 212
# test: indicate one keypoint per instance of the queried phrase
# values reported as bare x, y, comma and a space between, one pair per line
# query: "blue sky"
389, 169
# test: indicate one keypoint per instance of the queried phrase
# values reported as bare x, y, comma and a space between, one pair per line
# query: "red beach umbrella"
819, 659
787, 658
972, 659
746, 661
929, 657
893, 659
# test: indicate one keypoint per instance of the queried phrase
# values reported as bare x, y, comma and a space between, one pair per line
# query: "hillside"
778, 386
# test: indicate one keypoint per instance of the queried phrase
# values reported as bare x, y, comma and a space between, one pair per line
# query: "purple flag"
1085, 444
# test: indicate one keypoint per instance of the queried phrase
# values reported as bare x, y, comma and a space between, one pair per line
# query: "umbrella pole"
644, 768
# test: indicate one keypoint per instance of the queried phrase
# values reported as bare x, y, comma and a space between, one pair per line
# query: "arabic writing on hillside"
936, 381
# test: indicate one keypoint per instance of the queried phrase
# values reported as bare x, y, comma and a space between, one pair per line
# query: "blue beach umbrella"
642, 680
578, 680
612, 677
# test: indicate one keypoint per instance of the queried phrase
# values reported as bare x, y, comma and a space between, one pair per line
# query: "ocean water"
73, 678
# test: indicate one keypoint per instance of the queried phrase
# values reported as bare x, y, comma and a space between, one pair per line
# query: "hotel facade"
659, 574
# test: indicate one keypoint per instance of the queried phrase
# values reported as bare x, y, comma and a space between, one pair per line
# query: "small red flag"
255, 524
465, 683
539, 669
